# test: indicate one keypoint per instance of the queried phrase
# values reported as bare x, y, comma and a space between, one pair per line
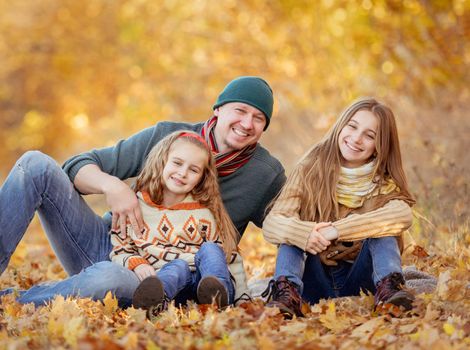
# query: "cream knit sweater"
283, 224
172, 233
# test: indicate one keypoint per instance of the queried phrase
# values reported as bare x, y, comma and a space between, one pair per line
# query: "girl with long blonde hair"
340, 216
187, 249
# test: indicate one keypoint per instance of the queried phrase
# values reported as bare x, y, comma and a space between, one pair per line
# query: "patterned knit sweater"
172, 233
283, 224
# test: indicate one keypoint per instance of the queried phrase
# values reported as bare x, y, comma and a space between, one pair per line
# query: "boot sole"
402, 299
210, 290
286, 311
149, 293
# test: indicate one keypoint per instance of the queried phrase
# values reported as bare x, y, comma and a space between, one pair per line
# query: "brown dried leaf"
419, 252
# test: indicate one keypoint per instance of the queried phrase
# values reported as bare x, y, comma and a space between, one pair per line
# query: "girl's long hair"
319, 167
206, 192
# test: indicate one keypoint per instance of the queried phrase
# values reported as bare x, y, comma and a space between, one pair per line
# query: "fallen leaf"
442, 287
448, 328
419, 252
407, 328
368, 328
73, 330
137, 315
332, 321
293, 327
110, 304
431, 313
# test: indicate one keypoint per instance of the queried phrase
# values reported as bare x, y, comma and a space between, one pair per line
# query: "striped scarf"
355, 185
228, 162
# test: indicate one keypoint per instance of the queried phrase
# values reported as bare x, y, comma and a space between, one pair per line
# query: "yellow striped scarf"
355, 185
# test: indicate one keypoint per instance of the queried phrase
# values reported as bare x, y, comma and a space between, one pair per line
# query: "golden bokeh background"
82, 74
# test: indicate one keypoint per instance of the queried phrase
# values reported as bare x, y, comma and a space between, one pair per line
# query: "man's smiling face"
238, 125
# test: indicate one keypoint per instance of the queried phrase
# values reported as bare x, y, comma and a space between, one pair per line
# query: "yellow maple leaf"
55, 328
332, 321
73, 330
448, 328
11, 309
415, 336
110, 304
194, 315
131, 340
151, 345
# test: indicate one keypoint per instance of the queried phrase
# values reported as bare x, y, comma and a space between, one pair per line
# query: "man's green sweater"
246, 193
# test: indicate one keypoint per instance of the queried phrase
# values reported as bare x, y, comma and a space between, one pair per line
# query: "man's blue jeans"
377, 258
78, 236
97, 280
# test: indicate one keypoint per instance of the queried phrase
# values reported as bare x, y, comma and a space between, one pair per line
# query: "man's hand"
316, 242
143, 271
124, 205
119, 196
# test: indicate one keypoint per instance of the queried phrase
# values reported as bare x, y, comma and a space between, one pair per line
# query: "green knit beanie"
250, 90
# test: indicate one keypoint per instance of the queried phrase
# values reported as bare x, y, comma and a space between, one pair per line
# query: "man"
249, 178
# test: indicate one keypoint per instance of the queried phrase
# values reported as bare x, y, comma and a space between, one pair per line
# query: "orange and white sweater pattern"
171, 233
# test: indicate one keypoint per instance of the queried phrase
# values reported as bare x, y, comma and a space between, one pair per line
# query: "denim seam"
66, 229
10, 253
362, 251
22, 170
375, 277
45, 197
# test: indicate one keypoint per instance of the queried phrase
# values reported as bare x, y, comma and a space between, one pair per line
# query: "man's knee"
36, 161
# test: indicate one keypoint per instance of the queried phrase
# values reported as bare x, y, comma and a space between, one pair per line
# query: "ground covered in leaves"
440, 320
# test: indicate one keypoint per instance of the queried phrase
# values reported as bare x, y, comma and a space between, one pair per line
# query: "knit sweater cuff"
278, 229
73, 170
136, 261
390, 220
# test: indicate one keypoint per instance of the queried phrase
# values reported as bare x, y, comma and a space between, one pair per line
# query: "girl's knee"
180, 265
209, 251
175, 270
209, 247
389, 242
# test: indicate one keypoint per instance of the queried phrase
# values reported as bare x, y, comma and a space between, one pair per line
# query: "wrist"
330, 233
109, 183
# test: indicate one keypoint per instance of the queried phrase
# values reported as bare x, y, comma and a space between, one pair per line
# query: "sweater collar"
187, 203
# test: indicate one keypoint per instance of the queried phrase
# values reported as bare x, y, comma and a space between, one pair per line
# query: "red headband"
195, 136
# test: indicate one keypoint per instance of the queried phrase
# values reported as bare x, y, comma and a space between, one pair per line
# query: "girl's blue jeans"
377, 258
95, 281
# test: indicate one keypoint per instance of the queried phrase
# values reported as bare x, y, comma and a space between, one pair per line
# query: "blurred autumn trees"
81, 74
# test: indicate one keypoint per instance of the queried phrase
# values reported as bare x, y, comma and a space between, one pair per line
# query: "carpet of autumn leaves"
439, 320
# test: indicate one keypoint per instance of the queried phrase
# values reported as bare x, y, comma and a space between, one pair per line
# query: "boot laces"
280, 291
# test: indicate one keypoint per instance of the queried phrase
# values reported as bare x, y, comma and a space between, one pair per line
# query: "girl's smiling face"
357, 139
183, 170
